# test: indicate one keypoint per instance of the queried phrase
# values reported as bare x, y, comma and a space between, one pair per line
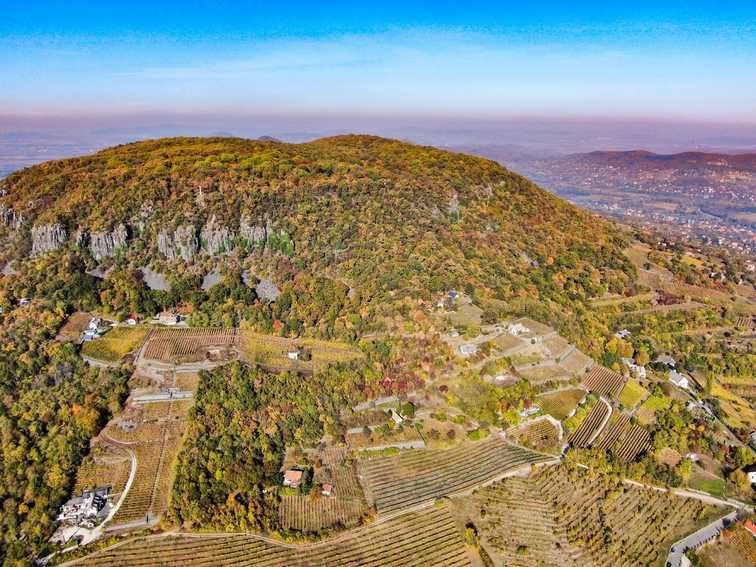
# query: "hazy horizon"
439, 60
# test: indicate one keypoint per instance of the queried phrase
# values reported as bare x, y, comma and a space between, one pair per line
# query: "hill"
373, 221
697, 197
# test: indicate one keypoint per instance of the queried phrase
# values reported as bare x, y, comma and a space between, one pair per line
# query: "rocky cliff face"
105, 244
215, 237
47, 237
254, 234
181, 243
11, 217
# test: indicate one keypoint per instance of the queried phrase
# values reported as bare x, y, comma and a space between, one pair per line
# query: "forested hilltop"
346, 228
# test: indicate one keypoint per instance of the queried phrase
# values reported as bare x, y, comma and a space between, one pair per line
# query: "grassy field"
116, 343
271, 351
466, 315
560, 404
632, 394
74, 326
647, 412
714, 486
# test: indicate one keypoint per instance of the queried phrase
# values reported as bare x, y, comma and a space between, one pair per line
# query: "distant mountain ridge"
651, 160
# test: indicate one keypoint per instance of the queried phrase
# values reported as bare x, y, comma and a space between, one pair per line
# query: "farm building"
665, 359
468, 349
678, 379
623, 334
396, 416
636, 370
750, 471
84, 507
292, 478
168, 318
517, 329
327, 489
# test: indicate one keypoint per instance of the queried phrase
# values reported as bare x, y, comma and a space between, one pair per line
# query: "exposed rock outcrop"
154, 280
215, 237
211, 279
81, 238
252, 233
47, 237
267, 290
11, 217
105, 244
181, 243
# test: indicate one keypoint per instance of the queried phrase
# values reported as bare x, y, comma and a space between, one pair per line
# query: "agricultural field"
590, 425
419, 539
420, 475
314, 512
190, 345
546, 373
74, 326
106, 465
116, 343
646, 413
404, 435
539, 434
632, 394
466, 315
150, 493
604, 382
561, 404
734, 548
576, 363
561, 516
626, 440
272, 352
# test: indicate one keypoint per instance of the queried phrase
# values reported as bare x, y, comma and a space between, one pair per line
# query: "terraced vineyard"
306, 514
345, 508
572, 517
155, 446
617, 524
419, 539
635, 440
106, 465
538, 434
612, 432
604, 382
177, 345
582, 436
419, 475
519, 528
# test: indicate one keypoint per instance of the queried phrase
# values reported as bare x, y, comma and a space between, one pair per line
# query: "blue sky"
679, 60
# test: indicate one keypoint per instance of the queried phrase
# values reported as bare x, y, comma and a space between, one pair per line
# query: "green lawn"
715, 487
632, 394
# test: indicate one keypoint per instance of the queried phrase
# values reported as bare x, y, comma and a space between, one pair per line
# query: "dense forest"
240, 426
51, 405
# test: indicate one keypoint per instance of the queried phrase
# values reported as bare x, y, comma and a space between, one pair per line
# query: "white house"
517, 329
665, 359
636, 370
678, 379
167, 318
396, 416
623, 334
293, 354
468, 349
